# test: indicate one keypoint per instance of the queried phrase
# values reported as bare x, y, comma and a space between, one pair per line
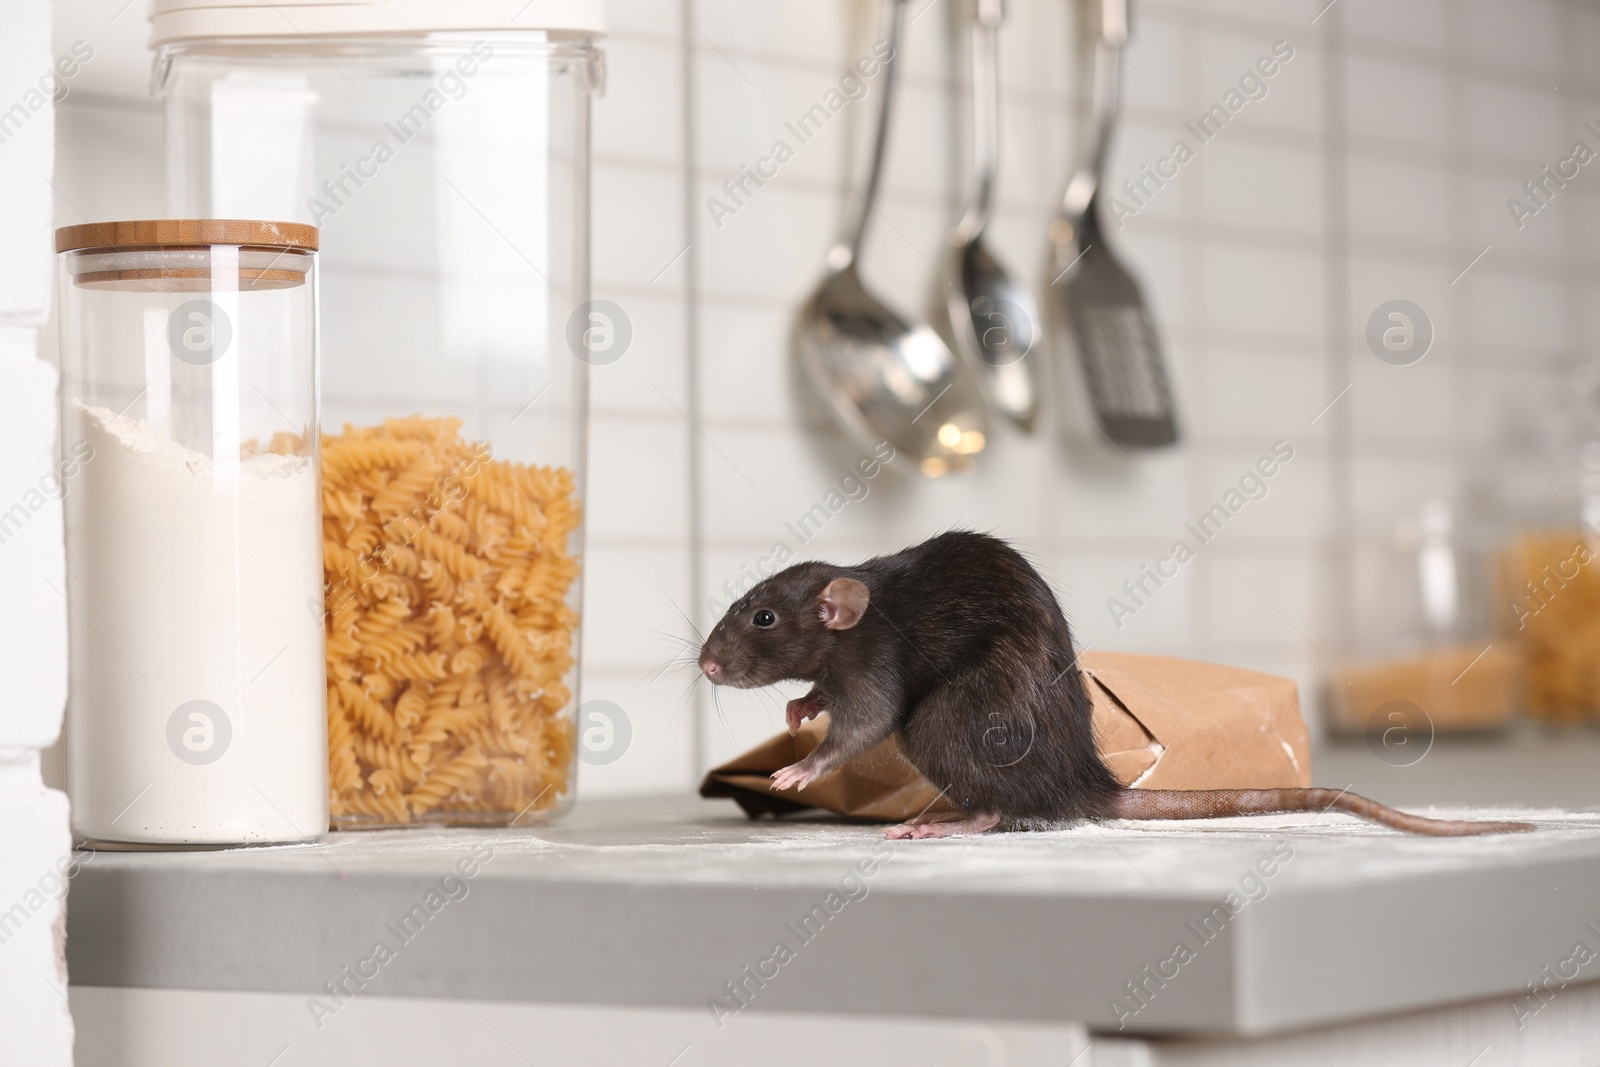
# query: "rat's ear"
842, 603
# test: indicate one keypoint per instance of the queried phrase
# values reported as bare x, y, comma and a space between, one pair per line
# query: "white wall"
1377, 167
1381, 160
34, 846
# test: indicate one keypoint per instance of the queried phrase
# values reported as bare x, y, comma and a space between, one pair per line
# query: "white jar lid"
175, 20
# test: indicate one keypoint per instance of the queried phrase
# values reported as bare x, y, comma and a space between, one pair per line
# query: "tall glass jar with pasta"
443, 151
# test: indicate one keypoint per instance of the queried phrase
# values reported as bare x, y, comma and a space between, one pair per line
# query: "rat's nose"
711, 668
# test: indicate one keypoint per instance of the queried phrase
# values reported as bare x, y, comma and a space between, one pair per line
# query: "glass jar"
188, 450
443, 151
1427, 659
1549, 596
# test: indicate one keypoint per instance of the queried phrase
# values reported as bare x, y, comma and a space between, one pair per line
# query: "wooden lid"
186, 233
188, 280
205, 21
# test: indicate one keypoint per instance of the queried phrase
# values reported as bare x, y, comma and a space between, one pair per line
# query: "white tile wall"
1388, 145
33, 817
1432, 103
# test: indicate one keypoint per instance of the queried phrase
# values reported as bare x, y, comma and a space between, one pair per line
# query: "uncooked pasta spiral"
449, 634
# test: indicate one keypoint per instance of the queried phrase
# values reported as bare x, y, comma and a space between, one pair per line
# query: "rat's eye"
764, 618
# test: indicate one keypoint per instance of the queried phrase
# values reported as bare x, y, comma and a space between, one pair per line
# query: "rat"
958, 648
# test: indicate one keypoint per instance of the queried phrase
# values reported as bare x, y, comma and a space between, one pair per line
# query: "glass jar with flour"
196, 714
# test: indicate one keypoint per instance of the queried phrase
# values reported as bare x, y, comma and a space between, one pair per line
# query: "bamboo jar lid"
186, 233
155, 255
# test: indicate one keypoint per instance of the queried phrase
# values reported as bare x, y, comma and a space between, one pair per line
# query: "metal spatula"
1098, 308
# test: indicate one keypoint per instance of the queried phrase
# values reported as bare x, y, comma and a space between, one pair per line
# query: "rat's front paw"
795, 776
799, 710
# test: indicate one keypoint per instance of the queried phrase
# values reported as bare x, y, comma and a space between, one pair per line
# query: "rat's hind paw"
972, 824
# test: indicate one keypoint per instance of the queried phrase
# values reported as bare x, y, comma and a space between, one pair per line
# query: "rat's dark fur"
963, 654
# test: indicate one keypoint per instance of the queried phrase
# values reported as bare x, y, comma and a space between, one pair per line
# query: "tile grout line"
1572, 245
691, 299
1461, 302
1337, 294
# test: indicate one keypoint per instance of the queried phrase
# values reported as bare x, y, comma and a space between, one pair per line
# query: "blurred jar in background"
1425, 662
1549, 581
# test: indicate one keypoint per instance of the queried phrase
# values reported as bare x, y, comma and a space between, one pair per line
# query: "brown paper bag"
1161, 723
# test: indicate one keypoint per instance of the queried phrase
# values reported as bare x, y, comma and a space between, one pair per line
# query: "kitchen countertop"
1527, 765
663, 902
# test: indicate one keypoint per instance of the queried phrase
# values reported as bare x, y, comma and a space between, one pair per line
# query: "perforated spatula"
1098, 308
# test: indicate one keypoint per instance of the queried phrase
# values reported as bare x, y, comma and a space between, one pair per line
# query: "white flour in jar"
197, 705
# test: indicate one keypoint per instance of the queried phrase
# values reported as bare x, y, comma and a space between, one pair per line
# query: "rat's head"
783, 628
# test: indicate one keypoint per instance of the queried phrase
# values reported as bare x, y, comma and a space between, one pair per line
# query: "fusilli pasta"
449, 631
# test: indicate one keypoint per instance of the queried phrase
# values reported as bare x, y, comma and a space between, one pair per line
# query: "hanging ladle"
885, 378
992, 322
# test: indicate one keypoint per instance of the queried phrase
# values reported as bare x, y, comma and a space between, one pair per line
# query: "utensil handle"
1105, 101
881, 141
1114, 21
1108, 77
985, 118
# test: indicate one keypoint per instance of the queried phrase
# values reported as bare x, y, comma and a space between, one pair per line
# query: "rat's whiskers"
678, 663
684, 702
716, 702
678, 641
699, 637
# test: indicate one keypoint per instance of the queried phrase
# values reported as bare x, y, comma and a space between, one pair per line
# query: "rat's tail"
1216, 803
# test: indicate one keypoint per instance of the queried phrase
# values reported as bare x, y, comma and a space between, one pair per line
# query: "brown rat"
958, 648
